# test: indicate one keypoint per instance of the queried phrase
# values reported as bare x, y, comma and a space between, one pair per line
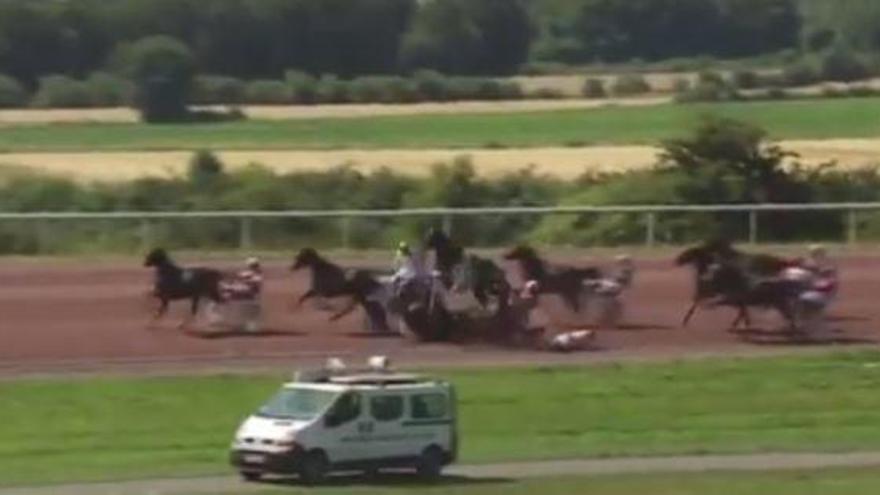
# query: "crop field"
819, 119
64, 430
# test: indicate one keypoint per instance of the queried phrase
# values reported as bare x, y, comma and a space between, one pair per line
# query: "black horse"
422, 308
566, 281
726, 284
175, 283
331, 281
720, 251
486, 278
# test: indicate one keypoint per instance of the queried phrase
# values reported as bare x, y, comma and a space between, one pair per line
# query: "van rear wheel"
314, 468
430, 463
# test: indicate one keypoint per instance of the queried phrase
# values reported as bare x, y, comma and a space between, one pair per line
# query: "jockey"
408, 266
248, 283
818, 274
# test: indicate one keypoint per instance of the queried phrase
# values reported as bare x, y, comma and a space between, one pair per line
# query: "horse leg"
690, 313
194, 309
308, 295
572, 299
163, 309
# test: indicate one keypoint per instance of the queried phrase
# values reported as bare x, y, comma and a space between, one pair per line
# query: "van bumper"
263, 462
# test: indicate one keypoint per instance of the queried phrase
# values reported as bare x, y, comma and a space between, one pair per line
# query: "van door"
431, 420
343, 438
389, 438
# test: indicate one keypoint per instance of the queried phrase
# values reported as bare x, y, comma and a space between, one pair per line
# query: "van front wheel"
251, 476
314, 468
430, 463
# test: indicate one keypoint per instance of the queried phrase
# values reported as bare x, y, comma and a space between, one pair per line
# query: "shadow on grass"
391, 479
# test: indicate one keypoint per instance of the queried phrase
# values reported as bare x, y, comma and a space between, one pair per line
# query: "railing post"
146, 235
753, 226
852, 227
245, 239
651, 229
345, 223
447, 224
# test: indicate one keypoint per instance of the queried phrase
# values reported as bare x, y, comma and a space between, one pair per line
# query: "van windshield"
299, 404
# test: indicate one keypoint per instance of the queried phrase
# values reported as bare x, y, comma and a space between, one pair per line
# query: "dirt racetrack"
87, 315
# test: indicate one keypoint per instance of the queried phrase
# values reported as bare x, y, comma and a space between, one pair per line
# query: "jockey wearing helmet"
248, 283
408, 266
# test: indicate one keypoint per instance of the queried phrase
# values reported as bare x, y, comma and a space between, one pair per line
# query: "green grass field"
610, 125
830, 482
55, 431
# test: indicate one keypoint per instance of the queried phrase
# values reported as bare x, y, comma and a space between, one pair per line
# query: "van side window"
347, 409
428, 406
386, 407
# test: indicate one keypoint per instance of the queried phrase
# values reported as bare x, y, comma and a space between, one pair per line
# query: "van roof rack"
379, 379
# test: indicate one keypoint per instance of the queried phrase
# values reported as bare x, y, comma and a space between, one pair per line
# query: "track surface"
57, 316
482, 473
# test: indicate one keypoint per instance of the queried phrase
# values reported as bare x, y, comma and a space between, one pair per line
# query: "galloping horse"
331, 281
459, 271
566, 281
702, 257
175, 283
726, 284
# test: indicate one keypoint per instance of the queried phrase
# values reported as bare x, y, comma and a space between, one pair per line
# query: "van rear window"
429, 406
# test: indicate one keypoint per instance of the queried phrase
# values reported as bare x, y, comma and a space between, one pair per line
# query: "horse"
705, 255
726, 284
566, 281
423, 310
175, 283
331, 281
459, 271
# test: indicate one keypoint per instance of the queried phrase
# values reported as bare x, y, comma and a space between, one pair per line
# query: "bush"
630, 85
267, 92
62, 92
800, 74
109, 90
331, 89
162, 69
303, 87
746, 79
12, 94
844, 66
204, 168
432, 85
594, 88
547, 94
710, 87
218, 90
375, 89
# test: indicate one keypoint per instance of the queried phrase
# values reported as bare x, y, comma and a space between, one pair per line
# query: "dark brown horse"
566, 281
726, 284
173, 283
484, 278
331, 281
702, 257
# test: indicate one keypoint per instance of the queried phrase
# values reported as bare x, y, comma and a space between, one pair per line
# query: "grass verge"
55, 431
813, 119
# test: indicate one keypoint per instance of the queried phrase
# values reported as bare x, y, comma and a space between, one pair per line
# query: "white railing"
650, 212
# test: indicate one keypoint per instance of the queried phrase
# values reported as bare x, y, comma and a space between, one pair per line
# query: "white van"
350, 421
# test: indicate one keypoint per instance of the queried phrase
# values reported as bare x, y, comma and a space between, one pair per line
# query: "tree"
468, 36
11, 93
735, 157
163, 70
